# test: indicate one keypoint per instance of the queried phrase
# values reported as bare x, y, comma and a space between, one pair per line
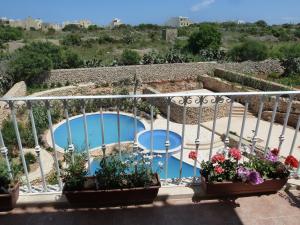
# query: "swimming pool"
94, 130
159, 140
173, 167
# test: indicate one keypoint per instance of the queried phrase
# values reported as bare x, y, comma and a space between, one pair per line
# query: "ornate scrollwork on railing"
185, 100
201, 100
230, 99
218, 99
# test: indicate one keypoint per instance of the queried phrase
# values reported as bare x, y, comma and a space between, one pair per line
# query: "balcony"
167, 126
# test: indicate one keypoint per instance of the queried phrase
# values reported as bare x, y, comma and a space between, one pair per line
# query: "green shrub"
249, 50
291, 66
9, 136
130, 57
207, 37
72, 40
74, 174
8, 33
30, 158
52, 178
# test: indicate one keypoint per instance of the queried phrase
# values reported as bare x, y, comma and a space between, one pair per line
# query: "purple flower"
271, 157
255, 178
243, 173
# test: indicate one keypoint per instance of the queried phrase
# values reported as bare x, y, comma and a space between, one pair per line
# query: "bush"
130, 57
30, 158
249, 50
8, 33
72, 28
153, 57
289, 51
9, 136
72, 40
207, 37
29, 65
33, 60
291, 66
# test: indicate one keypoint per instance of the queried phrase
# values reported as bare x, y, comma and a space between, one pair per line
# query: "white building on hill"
179, 21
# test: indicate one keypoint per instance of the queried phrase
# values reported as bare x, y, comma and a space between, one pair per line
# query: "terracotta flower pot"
239, 188
8, 201
114, 197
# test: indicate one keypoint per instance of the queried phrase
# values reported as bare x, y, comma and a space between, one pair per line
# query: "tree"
29, 65
249, 50
261, 23
130, 57
72, 28
207, 37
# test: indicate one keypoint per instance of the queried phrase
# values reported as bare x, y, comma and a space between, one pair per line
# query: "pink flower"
235, 153
193, 155
218, 170
218, 158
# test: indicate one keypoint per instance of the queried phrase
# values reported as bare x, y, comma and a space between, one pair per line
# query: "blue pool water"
159, 140
173, 167
94, 131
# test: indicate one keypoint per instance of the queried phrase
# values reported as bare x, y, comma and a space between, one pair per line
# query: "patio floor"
281, 208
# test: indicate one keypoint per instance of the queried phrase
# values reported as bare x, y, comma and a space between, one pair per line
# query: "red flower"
235, 153
291, 161
218, 170
275, 151
193, 155
218, 158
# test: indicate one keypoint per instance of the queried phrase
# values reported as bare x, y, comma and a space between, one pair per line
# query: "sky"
153, 11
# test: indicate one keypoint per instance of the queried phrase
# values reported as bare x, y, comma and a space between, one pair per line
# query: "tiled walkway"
282, 208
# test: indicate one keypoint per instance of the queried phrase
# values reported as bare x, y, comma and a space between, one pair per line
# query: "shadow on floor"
162, 212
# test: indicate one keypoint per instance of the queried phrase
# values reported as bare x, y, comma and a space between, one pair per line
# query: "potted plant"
9, 188
226, 175
116, 183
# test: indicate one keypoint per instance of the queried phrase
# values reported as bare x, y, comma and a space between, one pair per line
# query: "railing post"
295, 136
135, 145
86, 136
50, 125
119, 131
185, 101
272, 122
71, 148
286, 119
226, 141
217, 100
254, 138
15, 123
244, 121
197, 140
102, 132
37, 146
4, 152
151, 137
167, 143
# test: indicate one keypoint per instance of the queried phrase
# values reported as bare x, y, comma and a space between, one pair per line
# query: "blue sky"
153, 11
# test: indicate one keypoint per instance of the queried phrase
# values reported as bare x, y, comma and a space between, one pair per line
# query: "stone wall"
176, 113
156, 72
18, 90
147, 73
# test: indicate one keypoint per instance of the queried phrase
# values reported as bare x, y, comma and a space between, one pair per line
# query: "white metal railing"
200, 99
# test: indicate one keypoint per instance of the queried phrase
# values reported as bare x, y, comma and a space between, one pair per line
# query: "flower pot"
8, 201
228, 188
113, 197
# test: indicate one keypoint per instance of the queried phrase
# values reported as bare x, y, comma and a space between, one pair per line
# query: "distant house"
179, 21
115, 22
80, 23
47, 26
4, 21
28, 23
